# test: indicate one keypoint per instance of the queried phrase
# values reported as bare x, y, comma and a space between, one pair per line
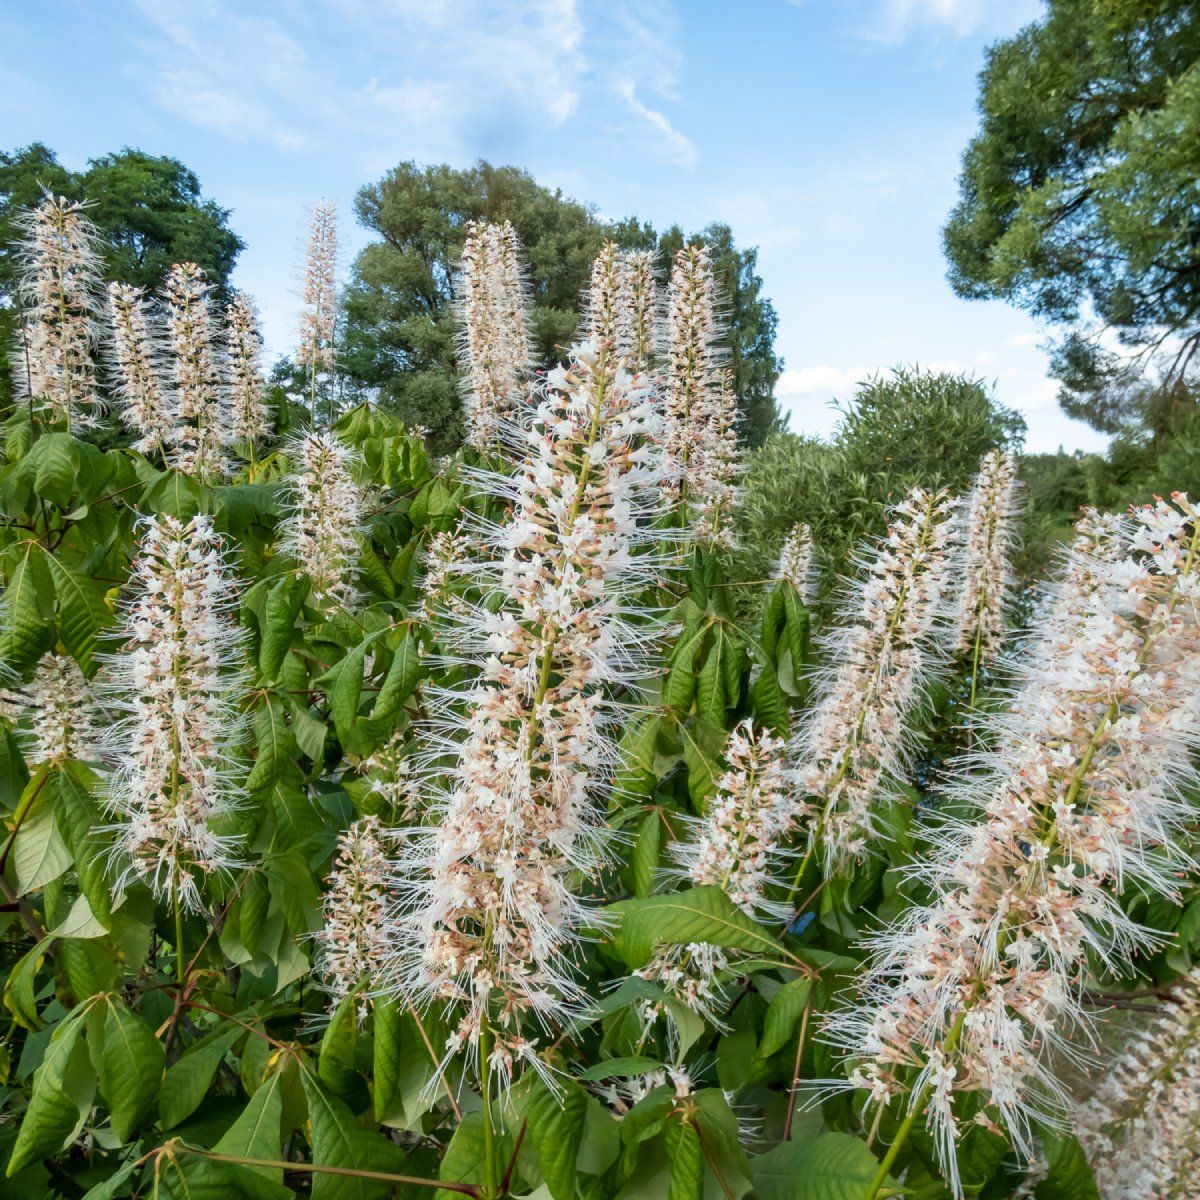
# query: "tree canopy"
149, 209
400, 327
1079, 197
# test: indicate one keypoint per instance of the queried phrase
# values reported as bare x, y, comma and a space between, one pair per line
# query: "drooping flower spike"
488, 918
323, 524
177, 684
137, 360
978, 992
58, 291
494, 353
883, 652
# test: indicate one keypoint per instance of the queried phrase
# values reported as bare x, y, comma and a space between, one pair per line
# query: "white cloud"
898, 19
676, 146
806, 396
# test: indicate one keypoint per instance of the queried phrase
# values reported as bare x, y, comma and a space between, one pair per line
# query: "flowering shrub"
377, 826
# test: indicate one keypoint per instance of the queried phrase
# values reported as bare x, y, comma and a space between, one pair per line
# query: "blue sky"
827, 132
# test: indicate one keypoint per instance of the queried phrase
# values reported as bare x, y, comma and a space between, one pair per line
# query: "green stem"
975, 657
180, 963
491, 1164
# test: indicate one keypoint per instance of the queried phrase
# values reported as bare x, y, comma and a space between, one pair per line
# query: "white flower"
351, 943
201, 434
58, 291
243, 343
324, 520
638, 317
881, 657
494, 354
795, 561
136, 355
1080, 801
175, 681
316, 350
488, 915
58, 710
1140, 1128
987, 577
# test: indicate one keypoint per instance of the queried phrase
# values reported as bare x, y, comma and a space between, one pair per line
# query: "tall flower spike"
177, 684
494, 352
883, 652
351, 943
58, 291
602, 305
488, 917
136, 358
58, 710
692, 373
739, 844
638, 316
716, 492
316, 352
201, 431
987, 574
324, 518
795, 560
1140, 1129
243, 344
979, 991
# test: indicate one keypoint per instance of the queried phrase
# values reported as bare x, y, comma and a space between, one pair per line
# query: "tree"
400, 328
1079, 198
150, 210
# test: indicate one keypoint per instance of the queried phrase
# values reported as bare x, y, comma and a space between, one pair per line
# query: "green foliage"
149, 209
1078, 194
400, 326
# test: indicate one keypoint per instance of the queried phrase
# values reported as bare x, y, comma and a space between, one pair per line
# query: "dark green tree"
400, 328
149, 209
1079, 197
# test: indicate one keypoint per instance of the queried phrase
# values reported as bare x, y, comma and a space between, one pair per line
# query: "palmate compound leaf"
701, 914
834, 1166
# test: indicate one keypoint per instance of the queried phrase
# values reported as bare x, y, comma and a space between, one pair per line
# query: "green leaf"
338, 1140
19, 991
710, 682
276, 746
79, 822
278, 624
130, 1064
405, 1061
701, 914
686, 1159
335, 1061
835, 1166
646, 849
1068, 1175
556, 1121
80, 922
25, 632
343, 686
83, 612
783, 1012
63, 1088
54, 461
39, 854
110, 1187
680, 684
463, 1161
626, 1067
258, 1130
190, 1076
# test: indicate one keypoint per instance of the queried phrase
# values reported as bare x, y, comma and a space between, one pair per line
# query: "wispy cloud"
897, 19
675, 145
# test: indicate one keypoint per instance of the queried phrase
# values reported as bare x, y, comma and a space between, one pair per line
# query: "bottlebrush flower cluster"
58, 290
603, 300
136, 359
316, 351
489, 918
639, 334
978, 991
991, 512
1141, 1126
494, 352
202, 429
59, 710
882, 654
351, 945
740, 844
243, 371
795, 560
176, 682
325, 513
